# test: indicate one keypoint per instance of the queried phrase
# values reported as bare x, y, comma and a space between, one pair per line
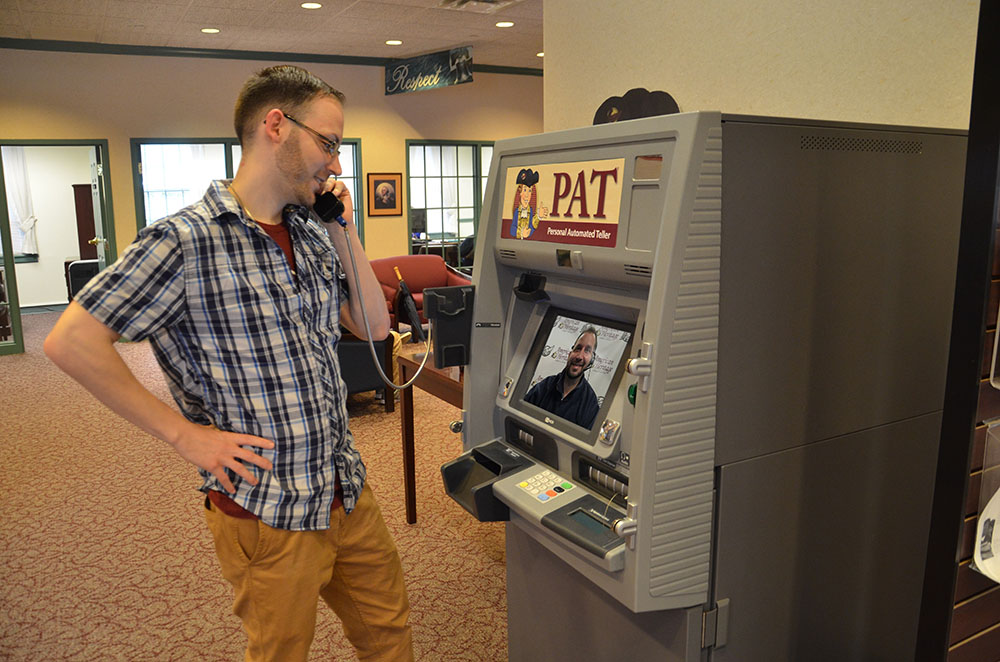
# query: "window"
350, 165
172, 174
20, 208
447, 181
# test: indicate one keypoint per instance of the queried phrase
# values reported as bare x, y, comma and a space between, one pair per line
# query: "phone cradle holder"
449, 310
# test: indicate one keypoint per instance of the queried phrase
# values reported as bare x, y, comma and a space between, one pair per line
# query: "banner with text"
564, 203
452, 67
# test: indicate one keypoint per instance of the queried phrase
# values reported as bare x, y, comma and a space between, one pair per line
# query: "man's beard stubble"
294, 175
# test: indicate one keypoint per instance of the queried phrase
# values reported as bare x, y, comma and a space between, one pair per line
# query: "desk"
438, 383
446, 248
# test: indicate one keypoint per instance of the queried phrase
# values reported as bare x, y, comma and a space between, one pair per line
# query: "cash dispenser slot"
602, 479
469, 479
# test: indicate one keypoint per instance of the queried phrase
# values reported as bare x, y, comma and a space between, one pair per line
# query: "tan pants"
277, 576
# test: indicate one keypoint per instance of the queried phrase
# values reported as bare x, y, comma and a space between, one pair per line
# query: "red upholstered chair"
419, 272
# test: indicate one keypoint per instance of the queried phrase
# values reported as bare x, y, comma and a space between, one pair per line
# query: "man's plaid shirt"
245, 345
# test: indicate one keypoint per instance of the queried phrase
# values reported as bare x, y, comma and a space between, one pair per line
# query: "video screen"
574, 363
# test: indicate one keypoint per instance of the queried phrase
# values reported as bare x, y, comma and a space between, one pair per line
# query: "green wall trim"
168, 51
498, 69
215, 53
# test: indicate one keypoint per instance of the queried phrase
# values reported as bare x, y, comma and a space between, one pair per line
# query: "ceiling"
357, 28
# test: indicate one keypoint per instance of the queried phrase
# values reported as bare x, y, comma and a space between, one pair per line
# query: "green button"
566, 486
631, 395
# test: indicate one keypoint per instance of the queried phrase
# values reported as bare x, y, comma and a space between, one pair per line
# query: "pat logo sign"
426, 72
564, 203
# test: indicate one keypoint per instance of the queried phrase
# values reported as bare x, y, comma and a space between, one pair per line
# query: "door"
38, 223
97, 192
11, 341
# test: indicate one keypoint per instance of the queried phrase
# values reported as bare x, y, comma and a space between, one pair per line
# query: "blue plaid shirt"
245, 345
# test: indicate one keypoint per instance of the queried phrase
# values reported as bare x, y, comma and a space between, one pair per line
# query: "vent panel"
842, 144
638, 270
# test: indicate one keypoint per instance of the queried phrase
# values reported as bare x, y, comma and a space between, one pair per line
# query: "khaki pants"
277, 576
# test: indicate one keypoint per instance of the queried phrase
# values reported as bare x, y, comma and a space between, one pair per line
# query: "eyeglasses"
331, 148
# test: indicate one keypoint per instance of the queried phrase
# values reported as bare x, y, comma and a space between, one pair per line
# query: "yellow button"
524, 483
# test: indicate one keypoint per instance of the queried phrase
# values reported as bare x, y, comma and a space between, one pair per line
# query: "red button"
551, 493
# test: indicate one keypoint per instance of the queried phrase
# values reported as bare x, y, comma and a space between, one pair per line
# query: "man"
385, 196
567, 394
242, 297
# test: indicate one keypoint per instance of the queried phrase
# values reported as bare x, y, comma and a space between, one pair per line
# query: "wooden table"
439, 383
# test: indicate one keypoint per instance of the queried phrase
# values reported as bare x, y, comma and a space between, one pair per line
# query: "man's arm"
84, 348
350, 312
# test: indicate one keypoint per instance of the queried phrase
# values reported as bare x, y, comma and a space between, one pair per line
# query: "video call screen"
561, 334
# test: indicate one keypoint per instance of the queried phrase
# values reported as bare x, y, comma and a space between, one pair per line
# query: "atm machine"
771, 301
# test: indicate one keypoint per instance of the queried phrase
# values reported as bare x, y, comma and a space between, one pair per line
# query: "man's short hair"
284, 86
588, 329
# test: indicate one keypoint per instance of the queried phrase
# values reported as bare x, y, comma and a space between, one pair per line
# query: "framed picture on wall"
385, 194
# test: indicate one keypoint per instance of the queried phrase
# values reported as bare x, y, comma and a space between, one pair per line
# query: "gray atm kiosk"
745, 470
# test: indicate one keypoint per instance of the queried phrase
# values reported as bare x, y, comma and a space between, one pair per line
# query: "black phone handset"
330, 208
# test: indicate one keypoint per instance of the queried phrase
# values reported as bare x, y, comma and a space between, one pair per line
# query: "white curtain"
22, 212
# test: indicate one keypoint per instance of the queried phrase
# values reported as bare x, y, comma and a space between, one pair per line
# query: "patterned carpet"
104, 554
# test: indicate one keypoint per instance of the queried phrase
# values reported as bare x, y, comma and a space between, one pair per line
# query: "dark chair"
359, 372
79, 273
466, 251
5, 329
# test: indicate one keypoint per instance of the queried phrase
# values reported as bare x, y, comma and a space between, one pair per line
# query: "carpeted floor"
104, 554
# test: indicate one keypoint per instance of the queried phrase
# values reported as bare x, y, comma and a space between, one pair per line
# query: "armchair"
357, 369
419, 272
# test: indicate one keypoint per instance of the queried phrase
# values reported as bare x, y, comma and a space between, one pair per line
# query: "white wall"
881, 61
52, 171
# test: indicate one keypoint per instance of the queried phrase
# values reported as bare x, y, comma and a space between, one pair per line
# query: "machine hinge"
715, 625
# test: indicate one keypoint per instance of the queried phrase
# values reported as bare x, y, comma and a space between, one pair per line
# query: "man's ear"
274, 125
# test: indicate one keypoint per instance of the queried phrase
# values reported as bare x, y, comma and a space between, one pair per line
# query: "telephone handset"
329, 208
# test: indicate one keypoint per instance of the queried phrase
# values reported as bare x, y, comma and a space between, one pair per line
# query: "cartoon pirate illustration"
526, 213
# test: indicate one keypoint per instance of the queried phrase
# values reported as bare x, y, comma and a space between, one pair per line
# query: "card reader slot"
535, 443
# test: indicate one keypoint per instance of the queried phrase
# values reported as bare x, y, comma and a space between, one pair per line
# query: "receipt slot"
706, 364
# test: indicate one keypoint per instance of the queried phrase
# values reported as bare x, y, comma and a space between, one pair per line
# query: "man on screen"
567, 394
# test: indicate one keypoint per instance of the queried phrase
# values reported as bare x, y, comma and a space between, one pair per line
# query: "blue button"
543, 497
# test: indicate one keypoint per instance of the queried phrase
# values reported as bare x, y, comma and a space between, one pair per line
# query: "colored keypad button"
545, 485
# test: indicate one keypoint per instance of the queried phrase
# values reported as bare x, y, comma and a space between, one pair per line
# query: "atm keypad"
545, 485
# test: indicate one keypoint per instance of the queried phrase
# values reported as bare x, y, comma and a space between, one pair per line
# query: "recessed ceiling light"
540, 54
505, 24
393, 42
310, 5
210, 30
